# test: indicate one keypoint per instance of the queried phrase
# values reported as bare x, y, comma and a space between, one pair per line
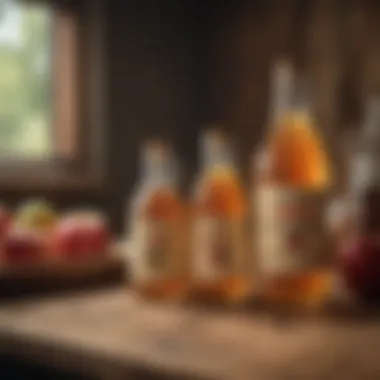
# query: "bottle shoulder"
294, 155
219, 194
156, 201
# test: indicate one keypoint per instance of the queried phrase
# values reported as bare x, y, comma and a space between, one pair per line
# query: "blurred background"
83, 82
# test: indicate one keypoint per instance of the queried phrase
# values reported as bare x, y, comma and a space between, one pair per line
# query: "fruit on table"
36, 214
82, 234
5, 219
359, 265
22, 246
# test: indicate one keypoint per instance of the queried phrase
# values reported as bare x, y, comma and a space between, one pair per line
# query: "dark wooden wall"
157, 84
177, 65
174, 65
335, 43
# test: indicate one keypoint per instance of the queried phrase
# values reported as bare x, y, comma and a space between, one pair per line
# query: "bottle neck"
364, 164
215, 157
282, 91
289, 94
301, 96
158, 170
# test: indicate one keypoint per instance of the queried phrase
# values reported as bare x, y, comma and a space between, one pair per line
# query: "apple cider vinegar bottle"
291, 180
158, 229
218, 256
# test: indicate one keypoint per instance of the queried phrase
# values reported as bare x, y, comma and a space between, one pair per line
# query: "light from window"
25, 80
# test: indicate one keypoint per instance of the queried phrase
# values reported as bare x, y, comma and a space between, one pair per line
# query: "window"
25, 80
44, 132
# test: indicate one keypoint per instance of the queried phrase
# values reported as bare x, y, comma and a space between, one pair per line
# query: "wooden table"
111, 334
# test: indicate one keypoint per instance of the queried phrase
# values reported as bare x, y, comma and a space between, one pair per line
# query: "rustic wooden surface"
61, 276
112, 332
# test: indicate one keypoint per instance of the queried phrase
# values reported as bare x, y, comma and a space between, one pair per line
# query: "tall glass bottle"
291, 179
158, 230
218, 246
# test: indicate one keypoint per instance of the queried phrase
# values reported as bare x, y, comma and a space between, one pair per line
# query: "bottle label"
217, 248
290, 229
155, 249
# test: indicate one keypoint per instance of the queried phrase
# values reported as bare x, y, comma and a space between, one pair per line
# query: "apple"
5, 219
359, 266
22, 246
82, 234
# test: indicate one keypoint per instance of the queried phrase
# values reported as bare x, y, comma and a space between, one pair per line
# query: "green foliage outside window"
25, 79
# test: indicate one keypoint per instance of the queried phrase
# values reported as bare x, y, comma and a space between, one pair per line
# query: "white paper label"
217, 248
155, 247
290, 231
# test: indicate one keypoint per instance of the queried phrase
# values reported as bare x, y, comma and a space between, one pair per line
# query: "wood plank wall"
336, 42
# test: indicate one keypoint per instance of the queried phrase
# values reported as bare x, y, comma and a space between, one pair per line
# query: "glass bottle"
158, 227
357, 222
364, 186
218, 242
355, 212
292, 176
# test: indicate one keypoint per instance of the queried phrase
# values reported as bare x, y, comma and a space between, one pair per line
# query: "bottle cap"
214, 137
156, 147
158, 161
282, 88
216, 147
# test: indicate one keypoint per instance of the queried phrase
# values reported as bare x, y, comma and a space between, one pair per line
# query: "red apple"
22, 247
82, 234
359, 264
5, 219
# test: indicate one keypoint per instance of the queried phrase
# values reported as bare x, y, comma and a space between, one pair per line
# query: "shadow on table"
12, 368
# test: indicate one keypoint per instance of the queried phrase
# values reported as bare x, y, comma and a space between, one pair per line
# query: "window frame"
80, 163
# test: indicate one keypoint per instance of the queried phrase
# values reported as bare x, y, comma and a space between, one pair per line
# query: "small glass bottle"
364, 186
158, 227
292, 176
219, 267
358, 224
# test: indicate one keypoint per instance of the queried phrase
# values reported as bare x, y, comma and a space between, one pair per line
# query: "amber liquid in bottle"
218, 247
159, 262
292, 177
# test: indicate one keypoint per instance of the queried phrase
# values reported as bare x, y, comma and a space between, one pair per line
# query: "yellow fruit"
36, 214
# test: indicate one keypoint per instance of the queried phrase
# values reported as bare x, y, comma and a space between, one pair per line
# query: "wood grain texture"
113, 332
